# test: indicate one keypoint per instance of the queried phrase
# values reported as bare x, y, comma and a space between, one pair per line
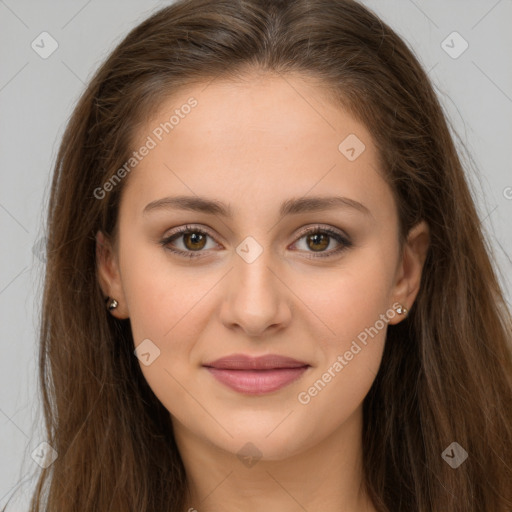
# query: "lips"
256, 375
243, 362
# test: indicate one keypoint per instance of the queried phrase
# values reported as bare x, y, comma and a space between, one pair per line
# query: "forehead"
279, 110
266, 137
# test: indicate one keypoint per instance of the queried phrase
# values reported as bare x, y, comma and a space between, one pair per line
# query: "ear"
109, 277
410, 268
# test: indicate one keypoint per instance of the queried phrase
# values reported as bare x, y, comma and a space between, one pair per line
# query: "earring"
112, 304
401, 310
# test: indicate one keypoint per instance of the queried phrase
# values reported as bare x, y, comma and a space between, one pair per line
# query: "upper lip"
245, 362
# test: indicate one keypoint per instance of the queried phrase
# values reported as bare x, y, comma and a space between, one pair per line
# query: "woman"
267, 286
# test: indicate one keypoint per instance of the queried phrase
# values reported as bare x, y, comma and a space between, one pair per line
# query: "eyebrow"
288, 207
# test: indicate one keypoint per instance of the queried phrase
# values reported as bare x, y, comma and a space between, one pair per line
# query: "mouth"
256, 375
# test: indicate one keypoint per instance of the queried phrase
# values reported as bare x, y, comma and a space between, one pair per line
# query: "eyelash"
339, 237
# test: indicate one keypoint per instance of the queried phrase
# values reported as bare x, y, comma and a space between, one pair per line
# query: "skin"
253, 144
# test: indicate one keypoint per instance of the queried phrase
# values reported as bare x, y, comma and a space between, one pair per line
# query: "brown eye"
315, 242
190, 241
318, 241
194, 241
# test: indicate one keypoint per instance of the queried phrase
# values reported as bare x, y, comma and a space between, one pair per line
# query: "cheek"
357, 308
358, 315
167, 307
352, 299
159, 295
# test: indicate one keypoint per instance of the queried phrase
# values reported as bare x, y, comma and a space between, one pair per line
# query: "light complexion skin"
255, 145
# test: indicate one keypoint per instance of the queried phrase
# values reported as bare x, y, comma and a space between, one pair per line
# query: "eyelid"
200, 228
312, 228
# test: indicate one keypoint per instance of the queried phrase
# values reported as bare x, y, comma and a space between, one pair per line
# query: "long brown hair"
446, 371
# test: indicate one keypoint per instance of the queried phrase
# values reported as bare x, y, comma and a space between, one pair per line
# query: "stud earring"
112, 304
401, 310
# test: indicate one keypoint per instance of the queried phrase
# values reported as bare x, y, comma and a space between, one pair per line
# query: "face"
283, 267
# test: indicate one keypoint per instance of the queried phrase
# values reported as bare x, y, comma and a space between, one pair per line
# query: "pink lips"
256, 375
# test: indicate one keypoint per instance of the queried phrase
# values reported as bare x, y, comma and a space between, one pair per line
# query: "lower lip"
257, 382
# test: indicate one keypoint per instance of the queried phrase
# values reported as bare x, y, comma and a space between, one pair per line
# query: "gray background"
37, 96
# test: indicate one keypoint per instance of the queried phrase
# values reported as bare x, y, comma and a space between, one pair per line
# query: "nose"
256, 300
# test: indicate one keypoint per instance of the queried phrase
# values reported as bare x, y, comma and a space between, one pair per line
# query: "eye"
194, 241
317, 240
